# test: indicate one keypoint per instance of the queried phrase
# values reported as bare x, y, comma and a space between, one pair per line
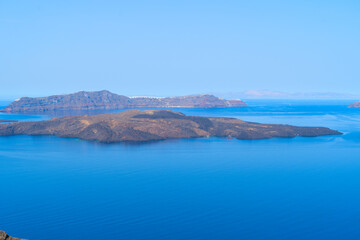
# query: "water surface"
298, 188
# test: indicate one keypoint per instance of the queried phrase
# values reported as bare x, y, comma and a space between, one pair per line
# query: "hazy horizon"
166, 48
245, 95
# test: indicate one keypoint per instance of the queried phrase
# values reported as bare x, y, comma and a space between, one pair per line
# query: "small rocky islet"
151, 125
355, 105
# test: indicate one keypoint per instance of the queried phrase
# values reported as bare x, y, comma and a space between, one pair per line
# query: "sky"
165, 48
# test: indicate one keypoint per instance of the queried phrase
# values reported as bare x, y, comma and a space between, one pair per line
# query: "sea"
213, 188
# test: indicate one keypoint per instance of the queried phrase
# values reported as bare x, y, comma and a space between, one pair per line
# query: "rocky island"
105, 100
4, 236
142, 126
355, 105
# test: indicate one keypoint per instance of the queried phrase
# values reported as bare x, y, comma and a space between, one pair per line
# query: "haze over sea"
296, 188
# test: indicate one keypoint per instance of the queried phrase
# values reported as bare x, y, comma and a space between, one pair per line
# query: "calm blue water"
300, 188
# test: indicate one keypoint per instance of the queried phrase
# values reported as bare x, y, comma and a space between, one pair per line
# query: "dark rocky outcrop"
105, 100
4, 236
137, 126
355, 105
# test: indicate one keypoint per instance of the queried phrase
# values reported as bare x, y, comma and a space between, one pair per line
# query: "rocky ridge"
105, 100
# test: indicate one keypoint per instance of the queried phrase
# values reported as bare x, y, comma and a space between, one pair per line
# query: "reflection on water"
299, 188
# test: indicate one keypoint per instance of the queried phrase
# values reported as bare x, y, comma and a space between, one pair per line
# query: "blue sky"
178, 47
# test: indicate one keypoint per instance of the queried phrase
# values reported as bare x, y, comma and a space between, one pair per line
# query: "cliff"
4, 236
105, 100
151, 125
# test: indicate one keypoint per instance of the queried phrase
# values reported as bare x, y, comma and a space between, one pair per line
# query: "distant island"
355, 105
6, 121
105, 100
4, 236
142, 126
